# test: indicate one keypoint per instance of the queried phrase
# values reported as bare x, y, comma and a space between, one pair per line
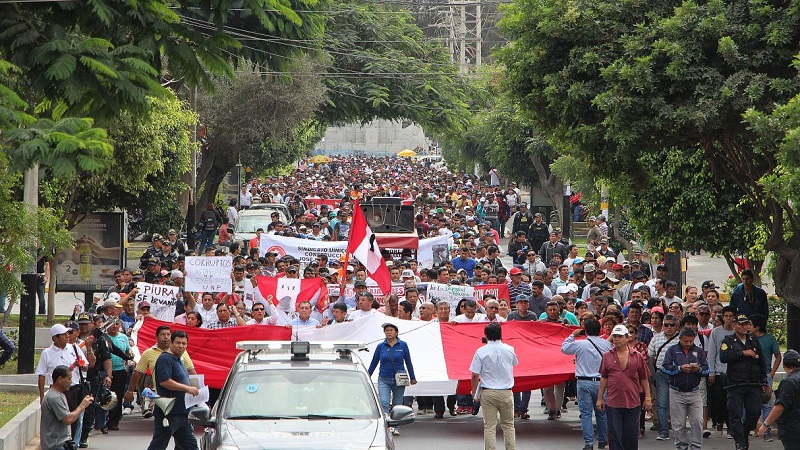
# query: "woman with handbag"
394, 357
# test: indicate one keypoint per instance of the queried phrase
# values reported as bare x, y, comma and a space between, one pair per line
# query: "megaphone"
166, 405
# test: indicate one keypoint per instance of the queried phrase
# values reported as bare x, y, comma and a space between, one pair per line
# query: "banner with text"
161, 298
438, 292
305, 250
397, 289
208, 273
500, 291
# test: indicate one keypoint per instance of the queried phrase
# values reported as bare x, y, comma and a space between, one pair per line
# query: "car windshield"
250, 223
301, 394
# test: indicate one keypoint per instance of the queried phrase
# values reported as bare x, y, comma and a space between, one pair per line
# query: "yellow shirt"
149, 357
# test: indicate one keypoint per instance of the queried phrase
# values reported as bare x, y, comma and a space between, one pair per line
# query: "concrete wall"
382, 136
19, 431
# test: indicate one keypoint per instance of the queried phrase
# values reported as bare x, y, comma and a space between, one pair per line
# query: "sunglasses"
670, 324
258, 309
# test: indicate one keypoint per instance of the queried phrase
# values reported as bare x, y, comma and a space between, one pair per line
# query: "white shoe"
127, 411
395, 432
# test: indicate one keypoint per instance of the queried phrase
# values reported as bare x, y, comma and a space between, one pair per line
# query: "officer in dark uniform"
98, 376
522, 220
747, 377
786, 412
538, 232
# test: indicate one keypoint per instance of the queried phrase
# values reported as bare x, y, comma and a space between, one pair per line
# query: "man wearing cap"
593, 235
718, 371
747, 377
61, 354
748, 298
588, 357
786, 412
153, 249
177, 245
623, 374
522, 220
516, 287
538, 233
604, 249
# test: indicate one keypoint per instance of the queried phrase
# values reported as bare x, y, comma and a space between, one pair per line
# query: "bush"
777, 319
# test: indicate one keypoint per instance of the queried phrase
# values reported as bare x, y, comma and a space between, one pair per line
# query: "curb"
19, 431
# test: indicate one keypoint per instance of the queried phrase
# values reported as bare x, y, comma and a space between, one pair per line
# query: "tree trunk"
792, 327
210, 186
51, 295
787, 285
732, 267
551, 186
616, 235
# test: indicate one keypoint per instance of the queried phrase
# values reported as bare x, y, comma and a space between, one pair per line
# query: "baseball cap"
71, 324
620, 330
610, 277
408, 273
588, 268
291, 269
592, 219
359, 284
515, 271
175, 274
172, 232
742, 319
604, 240
523, 298
791, 358
84, 318
137, 273
708, 284
57, 329
562, 290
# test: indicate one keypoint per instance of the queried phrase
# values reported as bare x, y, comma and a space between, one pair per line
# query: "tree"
249, 114
611, 81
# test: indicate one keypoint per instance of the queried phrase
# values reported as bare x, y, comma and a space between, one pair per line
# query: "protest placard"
438, 292
305, 250
161, 298
397, 289
208, 273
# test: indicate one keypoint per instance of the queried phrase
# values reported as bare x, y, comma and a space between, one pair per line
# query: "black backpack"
209, 220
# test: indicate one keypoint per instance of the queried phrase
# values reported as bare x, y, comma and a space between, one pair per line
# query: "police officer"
538, 233
786, 412
523, 219
747, 376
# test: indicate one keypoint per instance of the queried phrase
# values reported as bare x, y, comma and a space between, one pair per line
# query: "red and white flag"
287, 293
363, 246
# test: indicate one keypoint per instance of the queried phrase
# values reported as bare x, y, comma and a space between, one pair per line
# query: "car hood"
302, 434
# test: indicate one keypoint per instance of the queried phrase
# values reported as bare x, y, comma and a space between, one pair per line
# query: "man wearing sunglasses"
259, 314
656, 351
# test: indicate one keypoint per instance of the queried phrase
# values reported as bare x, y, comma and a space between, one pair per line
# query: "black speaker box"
388, 215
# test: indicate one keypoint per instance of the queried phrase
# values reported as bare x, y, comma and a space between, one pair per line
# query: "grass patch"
13, 403
41, 321
10, 367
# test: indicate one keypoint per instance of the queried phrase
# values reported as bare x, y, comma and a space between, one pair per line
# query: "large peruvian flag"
287, 293
441, 353
362, 244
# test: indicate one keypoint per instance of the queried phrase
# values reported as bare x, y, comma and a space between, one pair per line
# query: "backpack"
209, 221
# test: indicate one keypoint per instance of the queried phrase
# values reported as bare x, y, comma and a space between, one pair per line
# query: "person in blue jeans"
588, 357
394, 357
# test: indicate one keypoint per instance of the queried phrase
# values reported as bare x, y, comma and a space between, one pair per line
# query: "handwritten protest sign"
161, 298
208, 273
438, 292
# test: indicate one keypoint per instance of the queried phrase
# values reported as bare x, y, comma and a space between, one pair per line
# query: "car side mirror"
400, 415
200, 415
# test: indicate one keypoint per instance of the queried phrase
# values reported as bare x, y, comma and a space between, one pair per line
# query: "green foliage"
24, 229
777, 319
412, 78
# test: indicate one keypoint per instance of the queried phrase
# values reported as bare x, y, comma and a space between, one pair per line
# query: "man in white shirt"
260, 316
364, 305
206, 308
245, 198
493, 372
470, 314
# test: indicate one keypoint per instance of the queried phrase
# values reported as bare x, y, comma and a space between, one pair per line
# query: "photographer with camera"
98, 375
56, 415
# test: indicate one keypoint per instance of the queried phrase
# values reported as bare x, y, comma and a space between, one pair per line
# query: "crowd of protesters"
694, 357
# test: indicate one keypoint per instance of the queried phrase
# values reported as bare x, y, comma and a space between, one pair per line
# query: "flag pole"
343, 279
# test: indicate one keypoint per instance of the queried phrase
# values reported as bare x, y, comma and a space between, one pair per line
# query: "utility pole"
462, 40
27, 303
478, 35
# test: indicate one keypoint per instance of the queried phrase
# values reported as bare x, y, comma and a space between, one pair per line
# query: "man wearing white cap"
623, 374
60, 354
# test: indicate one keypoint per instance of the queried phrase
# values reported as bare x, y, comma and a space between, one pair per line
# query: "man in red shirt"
623, 373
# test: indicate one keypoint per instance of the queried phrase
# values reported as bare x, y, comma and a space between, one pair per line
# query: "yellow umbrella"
407, 153
319, 159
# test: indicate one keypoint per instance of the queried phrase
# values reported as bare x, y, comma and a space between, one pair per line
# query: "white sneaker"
127, 411
395, 432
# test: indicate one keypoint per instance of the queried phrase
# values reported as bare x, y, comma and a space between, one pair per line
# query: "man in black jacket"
747, 377
538, 232
523, 219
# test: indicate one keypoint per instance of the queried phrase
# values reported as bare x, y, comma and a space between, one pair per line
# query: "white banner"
209, 273
306, 250
438, 292
433, 251
161, 299
397, 289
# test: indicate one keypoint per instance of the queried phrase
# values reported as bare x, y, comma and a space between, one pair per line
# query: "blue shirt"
121, 342
495, 362
588, 354
393, 359
753, 303
466, 264
170, 367
299, 322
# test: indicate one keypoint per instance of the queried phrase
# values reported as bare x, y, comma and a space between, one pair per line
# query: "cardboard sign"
209, 273
438, 292
161, 298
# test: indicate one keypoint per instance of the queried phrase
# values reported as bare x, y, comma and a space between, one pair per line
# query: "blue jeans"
767, 408
207, 240
179, 427
521, 401
587, 401
389, 393
662, 402
79, 429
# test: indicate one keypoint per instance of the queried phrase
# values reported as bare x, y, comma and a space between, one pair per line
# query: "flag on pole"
287, 293
363, 246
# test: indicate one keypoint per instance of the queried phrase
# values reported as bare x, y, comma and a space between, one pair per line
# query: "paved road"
456, 433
